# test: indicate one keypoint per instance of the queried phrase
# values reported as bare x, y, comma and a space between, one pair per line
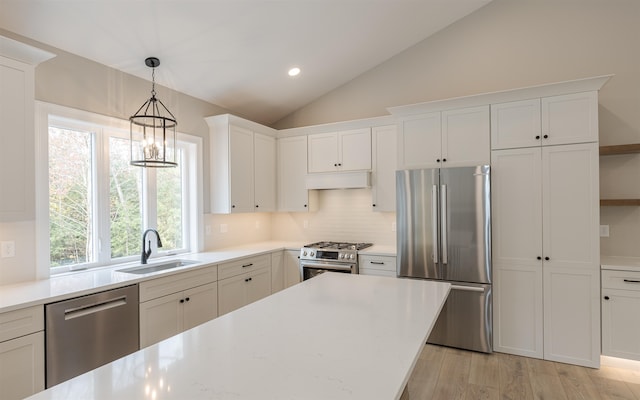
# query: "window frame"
103, 129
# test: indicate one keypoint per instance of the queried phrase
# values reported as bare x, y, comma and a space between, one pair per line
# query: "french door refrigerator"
444, 233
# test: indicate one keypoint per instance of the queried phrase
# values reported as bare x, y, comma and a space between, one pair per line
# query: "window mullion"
103, 242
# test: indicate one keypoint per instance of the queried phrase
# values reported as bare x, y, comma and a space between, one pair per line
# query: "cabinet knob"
546, 258
546, 136
437, 160
537, 137
444, 160
539, 258
374, 205
305, 206
181, 300
247, 279
233, 206
257, 206
606, 297
339, 164
335, 165
187, 299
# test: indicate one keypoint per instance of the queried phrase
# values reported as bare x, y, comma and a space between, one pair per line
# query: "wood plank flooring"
443, 373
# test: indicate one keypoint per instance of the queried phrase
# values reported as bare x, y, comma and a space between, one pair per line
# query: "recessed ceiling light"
295, 71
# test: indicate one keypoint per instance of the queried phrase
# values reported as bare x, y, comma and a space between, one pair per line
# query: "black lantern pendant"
153, 130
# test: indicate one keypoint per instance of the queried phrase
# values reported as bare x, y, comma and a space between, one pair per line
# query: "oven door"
309, 269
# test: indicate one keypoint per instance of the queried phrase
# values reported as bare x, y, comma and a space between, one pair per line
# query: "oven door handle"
343, 267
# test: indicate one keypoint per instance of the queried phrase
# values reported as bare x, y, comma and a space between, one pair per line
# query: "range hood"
339, 180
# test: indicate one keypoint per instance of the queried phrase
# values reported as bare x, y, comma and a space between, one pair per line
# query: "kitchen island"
336, 336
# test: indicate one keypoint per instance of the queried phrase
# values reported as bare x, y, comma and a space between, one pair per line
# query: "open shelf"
619, 202
620, 149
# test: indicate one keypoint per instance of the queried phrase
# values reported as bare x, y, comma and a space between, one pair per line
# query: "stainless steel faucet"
146, 252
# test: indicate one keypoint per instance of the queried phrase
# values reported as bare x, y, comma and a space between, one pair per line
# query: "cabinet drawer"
382, 263
176, 283
243, 265
21, 322
626, 280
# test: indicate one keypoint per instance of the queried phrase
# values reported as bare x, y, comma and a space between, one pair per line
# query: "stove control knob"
312, 254
341, 256
352, 256
304, 253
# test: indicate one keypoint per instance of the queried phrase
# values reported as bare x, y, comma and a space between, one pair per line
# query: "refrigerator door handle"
434, 218
443, 223
467, 288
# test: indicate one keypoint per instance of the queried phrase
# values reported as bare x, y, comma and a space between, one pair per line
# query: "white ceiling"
236, 53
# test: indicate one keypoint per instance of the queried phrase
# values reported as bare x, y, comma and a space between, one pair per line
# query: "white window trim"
192, 185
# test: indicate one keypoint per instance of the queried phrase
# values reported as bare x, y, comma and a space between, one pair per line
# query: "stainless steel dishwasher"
86, 332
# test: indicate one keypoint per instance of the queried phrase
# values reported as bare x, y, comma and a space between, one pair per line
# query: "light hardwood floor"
443, 373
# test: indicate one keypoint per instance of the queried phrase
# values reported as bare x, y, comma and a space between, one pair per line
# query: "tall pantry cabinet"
545, 201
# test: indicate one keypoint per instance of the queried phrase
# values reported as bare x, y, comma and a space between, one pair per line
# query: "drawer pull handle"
247, 279
377, 262
631, 281
247, 265
606, 297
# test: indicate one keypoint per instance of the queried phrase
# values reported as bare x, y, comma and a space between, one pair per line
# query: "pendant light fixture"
153, 130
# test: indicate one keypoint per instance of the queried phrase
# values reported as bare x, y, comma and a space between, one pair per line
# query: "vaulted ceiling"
236, 53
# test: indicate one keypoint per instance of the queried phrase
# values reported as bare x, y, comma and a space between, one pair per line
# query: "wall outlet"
604, 230
8, 249
393, 227
257, 224
305, 224
207, 230
224, 228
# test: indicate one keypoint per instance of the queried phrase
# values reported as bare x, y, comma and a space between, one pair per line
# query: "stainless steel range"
320, 257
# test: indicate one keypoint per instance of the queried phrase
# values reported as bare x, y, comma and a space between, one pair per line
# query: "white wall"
516, 43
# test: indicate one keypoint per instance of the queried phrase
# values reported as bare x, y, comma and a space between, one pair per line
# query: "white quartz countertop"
620, 263
379, 250
80, 283
336, 336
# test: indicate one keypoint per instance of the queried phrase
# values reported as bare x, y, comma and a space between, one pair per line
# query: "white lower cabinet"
21, 353
240, 290
175, 303
620, 316
291, 267
277, 271
377, 265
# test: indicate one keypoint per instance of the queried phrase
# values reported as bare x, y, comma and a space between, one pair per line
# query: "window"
99, 205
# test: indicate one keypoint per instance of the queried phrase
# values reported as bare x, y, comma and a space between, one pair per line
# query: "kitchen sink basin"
149, 268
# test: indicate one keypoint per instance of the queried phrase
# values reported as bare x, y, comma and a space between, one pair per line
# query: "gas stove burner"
339, 245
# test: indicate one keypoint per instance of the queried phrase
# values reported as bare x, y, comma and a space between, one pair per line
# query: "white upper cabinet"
293, 195
264, 172
553, 120
243, 166
17, 133
340, 151
383, 185
451, 138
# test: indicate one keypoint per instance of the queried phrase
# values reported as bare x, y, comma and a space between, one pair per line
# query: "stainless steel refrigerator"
444, 233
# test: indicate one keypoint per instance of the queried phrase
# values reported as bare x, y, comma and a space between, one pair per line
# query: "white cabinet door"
572, 315
465, 137
231, 294
340, 151
385, 161
277, 271
516, 124
291, 268
517, 251
241, 169
323, 152
620, 316
160, 319
264, 149
354, 150
293, 195
259, 285
22, 366
571, 206
200, 305
419, 142
571, 118
16, 135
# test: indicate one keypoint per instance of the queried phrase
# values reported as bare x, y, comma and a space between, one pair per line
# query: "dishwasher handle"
94, 308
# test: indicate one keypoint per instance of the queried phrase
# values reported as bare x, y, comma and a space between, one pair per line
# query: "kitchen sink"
149, 268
